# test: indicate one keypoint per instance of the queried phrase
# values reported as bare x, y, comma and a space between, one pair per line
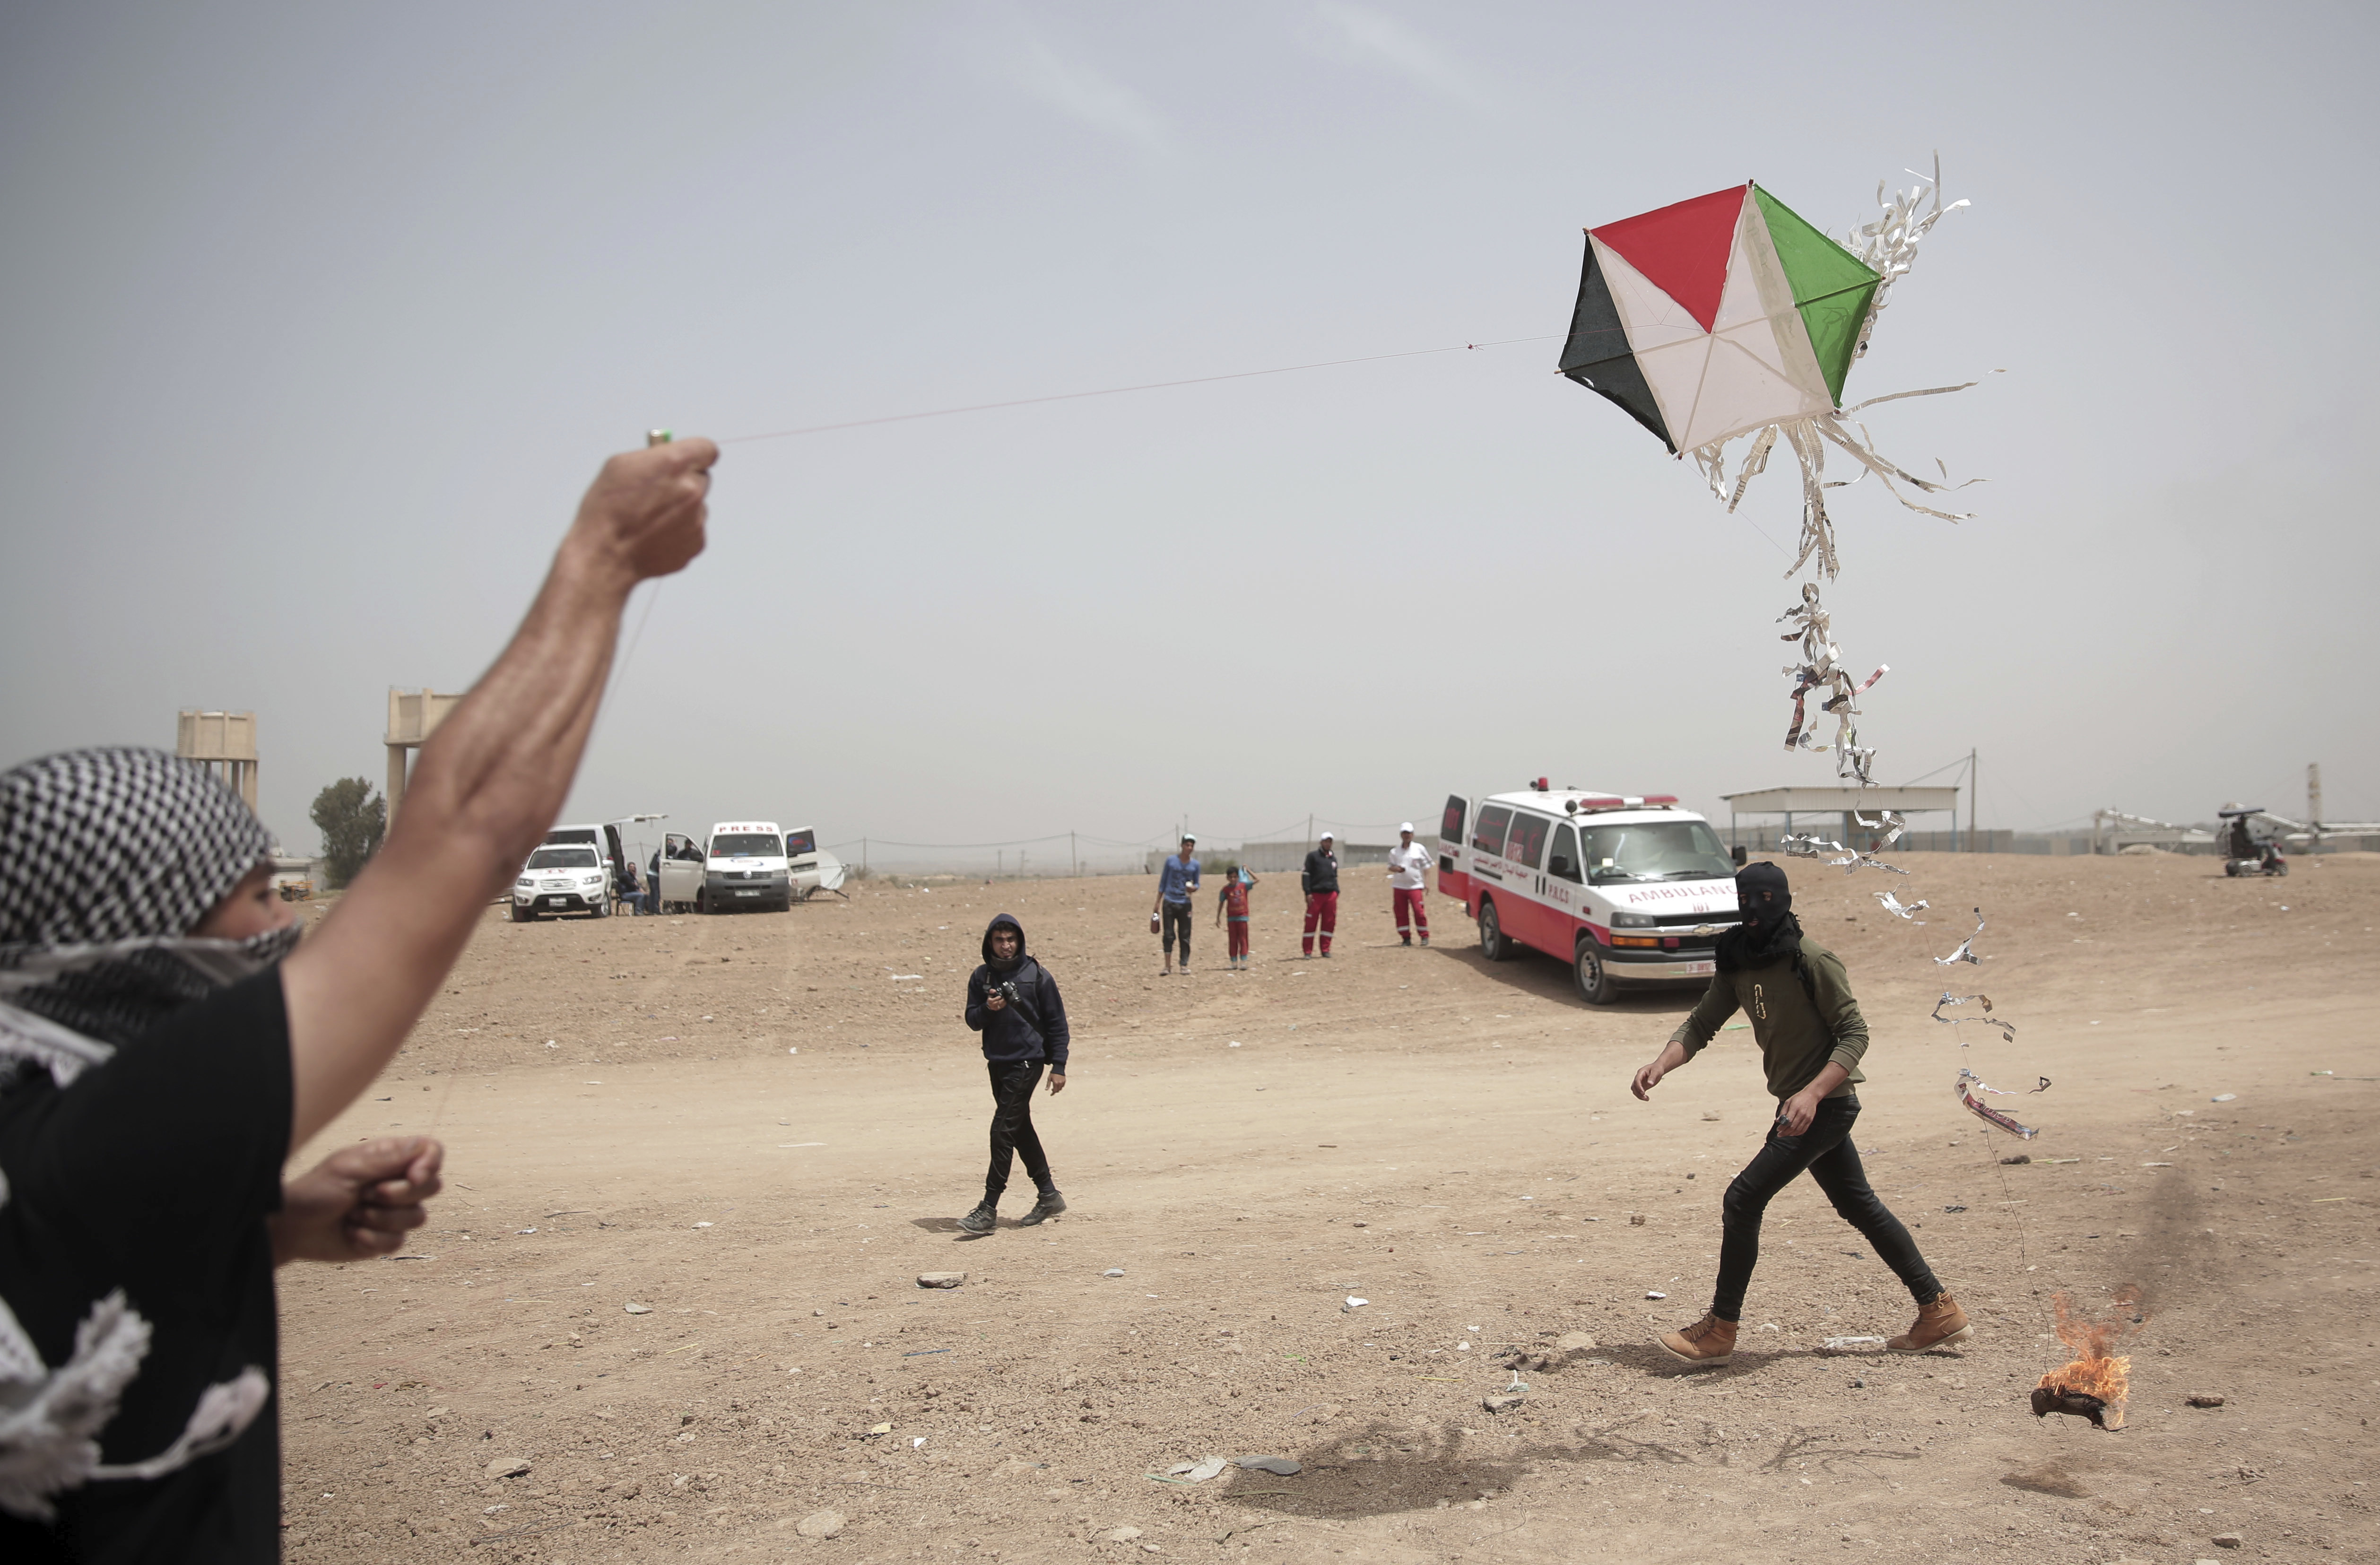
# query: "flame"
2094, 1370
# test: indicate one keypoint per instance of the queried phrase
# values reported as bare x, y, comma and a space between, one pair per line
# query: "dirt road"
699, 1164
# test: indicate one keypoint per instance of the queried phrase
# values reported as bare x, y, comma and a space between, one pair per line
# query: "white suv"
563, 878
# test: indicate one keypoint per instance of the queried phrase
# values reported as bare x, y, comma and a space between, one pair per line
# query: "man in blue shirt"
1176, 884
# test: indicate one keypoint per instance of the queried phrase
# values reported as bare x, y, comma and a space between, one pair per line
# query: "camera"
1006, 991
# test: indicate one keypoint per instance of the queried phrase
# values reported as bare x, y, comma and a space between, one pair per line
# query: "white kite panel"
1669, 343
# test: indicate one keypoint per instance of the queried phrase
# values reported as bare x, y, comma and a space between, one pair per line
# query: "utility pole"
863, 855
1309, 834
1074, 860
1974, 844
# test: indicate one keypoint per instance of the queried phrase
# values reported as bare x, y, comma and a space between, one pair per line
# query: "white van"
1627, 891
742, 865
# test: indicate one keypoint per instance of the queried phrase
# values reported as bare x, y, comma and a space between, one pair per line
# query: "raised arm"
487, 786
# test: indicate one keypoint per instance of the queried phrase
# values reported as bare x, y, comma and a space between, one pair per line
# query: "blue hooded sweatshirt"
1034, 1027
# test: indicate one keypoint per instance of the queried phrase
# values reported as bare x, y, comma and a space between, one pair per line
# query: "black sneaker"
983, 1219
1048, 1207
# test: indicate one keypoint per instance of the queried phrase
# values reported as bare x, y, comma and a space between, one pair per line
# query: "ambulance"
1628, 891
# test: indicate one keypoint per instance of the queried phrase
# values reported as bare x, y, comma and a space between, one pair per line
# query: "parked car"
605, 838
563, 878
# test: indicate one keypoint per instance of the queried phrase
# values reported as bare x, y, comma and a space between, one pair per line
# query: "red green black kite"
1718, 316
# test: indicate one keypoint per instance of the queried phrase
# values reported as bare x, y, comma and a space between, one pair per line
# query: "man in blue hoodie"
1012, 1002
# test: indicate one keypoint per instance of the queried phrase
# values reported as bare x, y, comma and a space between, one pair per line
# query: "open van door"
801, 863
1453, 878
615, 858
682, 870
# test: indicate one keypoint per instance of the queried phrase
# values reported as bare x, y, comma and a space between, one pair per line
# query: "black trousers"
1177, 915
1012, 1082
1826, 1151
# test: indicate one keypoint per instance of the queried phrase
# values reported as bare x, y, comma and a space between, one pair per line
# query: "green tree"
352, 818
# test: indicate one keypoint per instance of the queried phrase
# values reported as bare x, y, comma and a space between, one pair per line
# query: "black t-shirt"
154, 1173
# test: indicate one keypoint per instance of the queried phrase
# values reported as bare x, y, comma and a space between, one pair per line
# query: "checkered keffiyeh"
107, 858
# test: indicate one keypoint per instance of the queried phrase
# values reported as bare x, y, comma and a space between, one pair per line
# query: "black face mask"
1770, 928
1764, 896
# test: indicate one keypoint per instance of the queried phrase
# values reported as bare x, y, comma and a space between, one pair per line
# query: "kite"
1893, 905
1719, 315
1731, 315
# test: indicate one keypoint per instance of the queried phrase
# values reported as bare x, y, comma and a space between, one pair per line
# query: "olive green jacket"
1800, 1025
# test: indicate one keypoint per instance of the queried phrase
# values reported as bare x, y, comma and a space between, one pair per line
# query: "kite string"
619, 673
1907, 936
1119, 391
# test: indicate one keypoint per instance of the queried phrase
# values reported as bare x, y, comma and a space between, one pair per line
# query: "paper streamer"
1984, 1110
1966, 952
2008, 1030
1821, 670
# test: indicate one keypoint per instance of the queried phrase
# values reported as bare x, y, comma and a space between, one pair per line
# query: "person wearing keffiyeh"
166, 1042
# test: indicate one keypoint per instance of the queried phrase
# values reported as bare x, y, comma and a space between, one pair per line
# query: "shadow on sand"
1382, 1468
1537, 974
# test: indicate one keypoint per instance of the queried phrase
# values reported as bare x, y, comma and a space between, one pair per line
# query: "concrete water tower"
413, 717
224, 742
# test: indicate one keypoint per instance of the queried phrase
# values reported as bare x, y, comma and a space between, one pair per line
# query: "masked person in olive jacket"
1811, 1036
1012, 1002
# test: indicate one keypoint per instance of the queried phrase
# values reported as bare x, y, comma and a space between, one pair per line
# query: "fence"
1287, 858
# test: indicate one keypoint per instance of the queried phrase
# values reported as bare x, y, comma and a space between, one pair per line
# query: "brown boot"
1939, 1324
1705, 1344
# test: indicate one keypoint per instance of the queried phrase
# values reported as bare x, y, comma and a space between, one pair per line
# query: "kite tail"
1863, 449
1818, 529
1889, 245
1712, 460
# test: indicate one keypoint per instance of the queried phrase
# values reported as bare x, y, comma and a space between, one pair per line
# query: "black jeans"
1012, 1082
1825, 1151
1177, 915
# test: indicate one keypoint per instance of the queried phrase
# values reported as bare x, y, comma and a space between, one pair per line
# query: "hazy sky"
319, 317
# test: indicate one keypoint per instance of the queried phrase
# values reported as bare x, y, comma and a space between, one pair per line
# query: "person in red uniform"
1232, 912
1320, 881
1408, 885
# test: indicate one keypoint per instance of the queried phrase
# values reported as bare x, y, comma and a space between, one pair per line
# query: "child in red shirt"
1232, 911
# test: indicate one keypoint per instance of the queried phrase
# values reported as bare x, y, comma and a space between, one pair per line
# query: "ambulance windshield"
1656, 850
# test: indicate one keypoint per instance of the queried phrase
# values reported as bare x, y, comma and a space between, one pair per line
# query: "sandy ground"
631, 1127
